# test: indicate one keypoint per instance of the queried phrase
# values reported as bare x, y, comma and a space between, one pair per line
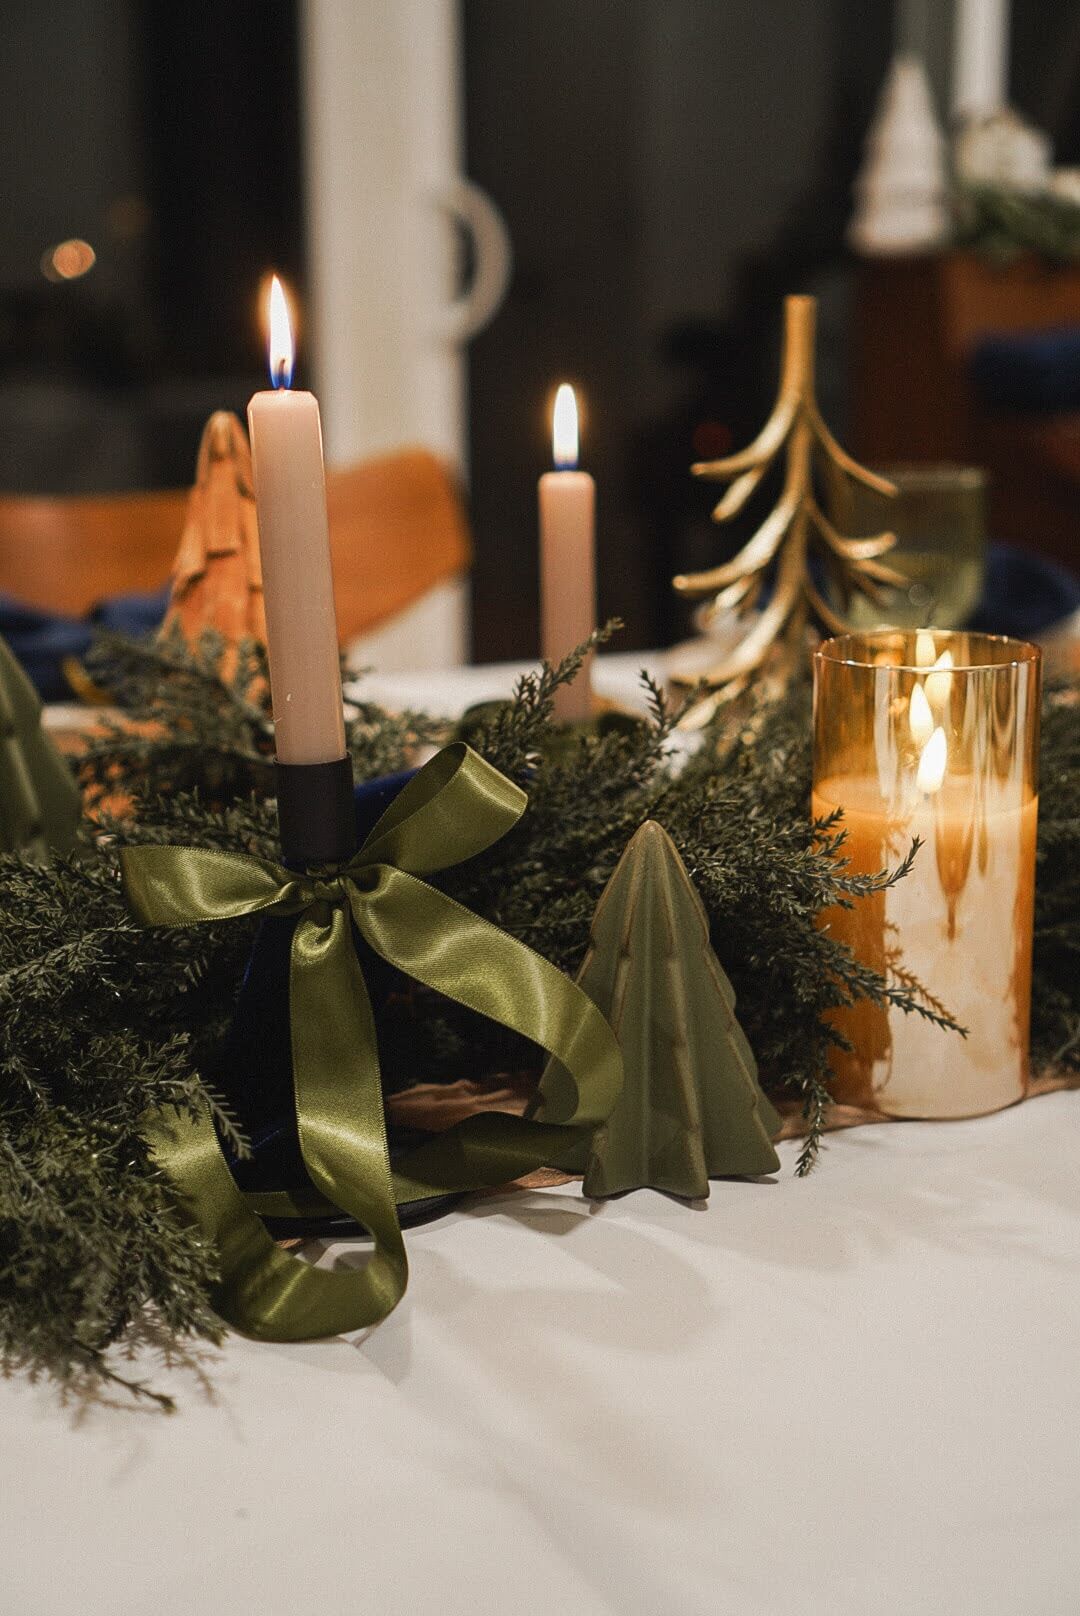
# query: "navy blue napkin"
42, 640
1029, 372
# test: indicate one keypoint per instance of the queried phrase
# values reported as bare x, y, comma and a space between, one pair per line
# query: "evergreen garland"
1055, 987
101, 1020
1002, 223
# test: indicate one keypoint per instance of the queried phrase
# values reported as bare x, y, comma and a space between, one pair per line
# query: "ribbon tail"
339, 1104
484, 1151
263, 1291
436, 941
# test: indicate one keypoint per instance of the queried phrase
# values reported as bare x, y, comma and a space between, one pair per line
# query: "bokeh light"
68, 260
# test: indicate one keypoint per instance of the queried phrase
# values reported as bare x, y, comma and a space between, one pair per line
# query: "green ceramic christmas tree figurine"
690, 1107
39, 799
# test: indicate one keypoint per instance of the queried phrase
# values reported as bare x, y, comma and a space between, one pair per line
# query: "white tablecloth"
446, 692
856, 1393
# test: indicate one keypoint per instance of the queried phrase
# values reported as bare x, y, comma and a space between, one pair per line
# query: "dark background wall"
168, 137
670, 169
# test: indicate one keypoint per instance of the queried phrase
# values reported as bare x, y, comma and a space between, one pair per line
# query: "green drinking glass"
939, 518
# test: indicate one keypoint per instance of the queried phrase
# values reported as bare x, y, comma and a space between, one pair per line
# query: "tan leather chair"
397, 529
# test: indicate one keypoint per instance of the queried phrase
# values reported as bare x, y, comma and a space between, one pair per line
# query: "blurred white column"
980, 79
381, 139
383, 152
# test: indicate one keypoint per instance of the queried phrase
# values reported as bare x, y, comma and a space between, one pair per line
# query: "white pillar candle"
294, 541
567, 558
980, 58
961, 922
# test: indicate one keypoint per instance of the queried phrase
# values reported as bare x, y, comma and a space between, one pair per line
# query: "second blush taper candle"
567, 558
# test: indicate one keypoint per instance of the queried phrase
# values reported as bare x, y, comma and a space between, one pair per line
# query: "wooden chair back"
65, 554
397, 528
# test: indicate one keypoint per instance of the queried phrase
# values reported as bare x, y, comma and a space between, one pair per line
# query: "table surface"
616, 678
852, 1393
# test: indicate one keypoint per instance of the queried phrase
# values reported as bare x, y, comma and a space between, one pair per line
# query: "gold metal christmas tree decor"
796, 527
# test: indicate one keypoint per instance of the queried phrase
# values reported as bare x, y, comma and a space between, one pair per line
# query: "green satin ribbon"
453, 809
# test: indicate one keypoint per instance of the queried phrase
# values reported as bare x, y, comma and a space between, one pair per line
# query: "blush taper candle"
294, 542
567, 557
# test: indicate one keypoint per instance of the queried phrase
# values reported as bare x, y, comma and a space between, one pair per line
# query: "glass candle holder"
935, 735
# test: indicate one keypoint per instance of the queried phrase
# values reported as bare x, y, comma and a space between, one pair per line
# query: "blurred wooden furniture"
917, 321
65, 554
916, 324
1034, 487
397, 529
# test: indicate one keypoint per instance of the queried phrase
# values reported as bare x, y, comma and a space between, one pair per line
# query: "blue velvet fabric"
254, 1067
1029, 372
42, 640
1024, 593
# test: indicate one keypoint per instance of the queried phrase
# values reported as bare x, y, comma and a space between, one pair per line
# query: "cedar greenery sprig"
1055, 997
95, 1026
181, 725
1001, 223
185, 726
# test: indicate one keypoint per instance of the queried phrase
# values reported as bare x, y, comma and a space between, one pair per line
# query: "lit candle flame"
564, 434
939, 680
920, 717
932, 763
281, 338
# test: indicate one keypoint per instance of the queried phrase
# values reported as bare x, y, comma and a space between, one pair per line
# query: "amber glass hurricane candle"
934, 735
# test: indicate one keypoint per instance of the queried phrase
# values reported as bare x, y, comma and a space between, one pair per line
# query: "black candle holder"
316, 813
317, 823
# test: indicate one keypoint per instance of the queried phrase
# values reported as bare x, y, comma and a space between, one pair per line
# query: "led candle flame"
564, 429
939, 680
932, 763
925, 649
567, 559
920, 717
281, 337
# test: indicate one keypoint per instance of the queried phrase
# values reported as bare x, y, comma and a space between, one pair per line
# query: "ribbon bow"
453, 809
